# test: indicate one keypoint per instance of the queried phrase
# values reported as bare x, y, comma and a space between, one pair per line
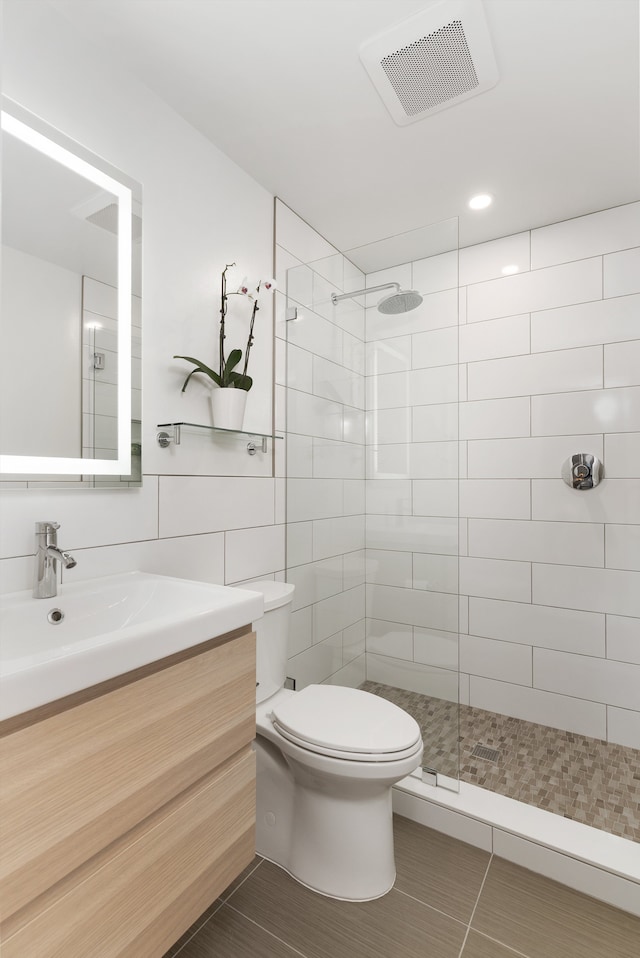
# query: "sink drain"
56, 616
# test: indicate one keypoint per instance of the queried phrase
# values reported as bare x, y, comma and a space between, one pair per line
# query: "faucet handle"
46, 527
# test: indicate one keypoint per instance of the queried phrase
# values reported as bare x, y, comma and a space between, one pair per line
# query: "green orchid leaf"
238, 381
201, 368
233, 359
186, 382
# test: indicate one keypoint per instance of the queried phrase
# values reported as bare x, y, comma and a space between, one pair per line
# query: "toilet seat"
347, 724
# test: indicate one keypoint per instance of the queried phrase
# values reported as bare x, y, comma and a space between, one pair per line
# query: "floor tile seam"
473, 910
265, 930
496, 941
438, 911
197, 930
246, 877
222, 901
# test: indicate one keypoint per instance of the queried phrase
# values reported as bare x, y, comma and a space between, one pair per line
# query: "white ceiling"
278, 85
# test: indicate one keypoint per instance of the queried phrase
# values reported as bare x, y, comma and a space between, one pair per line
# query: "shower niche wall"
369, 404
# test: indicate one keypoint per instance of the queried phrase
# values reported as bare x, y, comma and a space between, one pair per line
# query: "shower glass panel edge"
377, 597
414, 530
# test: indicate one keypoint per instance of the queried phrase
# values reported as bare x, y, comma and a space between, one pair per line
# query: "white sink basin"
110, 626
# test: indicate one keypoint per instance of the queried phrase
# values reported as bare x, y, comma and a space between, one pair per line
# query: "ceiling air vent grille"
102, 210
435, 59
432, 70
107, 219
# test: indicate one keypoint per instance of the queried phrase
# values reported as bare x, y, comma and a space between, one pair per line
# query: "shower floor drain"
483, 751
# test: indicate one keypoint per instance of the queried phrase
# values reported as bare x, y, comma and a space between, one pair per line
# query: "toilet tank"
272, 635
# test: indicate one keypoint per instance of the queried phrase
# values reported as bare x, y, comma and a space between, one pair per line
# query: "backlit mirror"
70, 390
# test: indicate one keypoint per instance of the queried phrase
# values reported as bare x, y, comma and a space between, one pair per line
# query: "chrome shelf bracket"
165, 439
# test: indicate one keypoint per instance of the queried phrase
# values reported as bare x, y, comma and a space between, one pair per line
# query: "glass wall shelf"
165, 439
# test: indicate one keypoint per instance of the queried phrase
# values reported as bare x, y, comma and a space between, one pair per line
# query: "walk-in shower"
439, 558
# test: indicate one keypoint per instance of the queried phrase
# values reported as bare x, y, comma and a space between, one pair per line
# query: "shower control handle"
582, 471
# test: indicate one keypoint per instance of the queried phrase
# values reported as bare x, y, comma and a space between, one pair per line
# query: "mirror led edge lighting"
40, 465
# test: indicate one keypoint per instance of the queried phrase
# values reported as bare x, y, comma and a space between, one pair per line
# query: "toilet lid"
345, 720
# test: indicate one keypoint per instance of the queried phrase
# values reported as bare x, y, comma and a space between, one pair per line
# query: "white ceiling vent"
107, 218
102, 210
432, 61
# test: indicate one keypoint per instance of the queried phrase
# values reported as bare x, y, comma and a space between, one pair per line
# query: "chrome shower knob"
582, 471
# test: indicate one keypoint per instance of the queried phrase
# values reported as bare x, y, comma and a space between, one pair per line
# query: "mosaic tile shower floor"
585, 779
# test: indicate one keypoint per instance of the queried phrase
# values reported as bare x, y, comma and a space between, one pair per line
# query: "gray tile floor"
585, 779
450, 900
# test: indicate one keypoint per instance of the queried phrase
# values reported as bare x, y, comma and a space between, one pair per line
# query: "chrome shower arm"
335, 297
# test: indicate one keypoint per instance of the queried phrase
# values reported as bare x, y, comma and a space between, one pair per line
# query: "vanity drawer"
136, 898
75, 782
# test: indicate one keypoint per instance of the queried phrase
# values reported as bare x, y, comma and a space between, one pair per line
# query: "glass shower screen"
372, 472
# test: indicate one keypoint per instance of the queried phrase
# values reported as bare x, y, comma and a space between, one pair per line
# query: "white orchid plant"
227, 375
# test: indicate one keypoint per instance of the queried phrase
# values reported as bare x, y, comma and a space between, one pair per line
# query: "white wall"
549, 577
41, 343
320, 376
200, 211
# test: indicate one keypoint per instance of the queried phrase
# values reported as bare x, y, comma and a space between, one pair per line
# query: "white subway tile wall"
413, 382
547, 365
436, 442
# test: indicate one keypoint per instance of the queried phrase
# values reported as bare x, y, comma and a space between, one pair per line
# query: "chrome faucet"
45, 581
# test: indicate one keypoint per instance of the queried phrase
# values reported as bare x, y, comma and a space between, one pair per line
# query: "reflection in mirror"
100, 377
70, 358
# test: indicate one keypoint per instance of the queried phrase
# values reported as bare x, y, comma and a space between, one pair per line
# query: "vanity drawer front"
75, 782
136, 898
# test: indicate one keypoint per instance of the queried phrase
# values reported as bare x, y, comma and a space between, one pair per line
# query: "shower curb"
586, 859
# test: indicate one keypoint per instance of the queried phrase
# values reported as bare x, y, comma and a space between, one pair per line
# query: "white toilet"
327, 757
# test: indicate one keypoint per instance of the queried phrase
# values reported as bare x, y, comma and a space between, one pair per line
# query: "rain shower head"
402, 301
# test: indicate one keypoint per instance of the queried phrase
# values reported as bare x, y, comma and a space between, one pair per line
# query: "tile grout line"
425, 904
508, 948
475, 906
223, 901
266, 930
197, 931
246, 877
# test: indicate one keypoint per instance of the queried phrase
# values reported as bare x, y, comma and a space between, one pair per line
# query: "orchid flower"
227, 376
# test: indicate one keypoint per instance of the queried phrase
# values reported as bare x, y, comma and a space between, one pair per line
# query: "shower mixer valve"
582, 471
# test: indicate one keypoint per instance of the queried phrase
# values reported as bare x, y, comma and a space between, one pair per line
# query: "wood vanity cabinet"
128, 808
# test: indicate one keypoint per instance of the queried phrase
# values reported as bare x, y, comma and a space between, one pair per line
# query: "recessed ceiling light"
509, 270
481, 201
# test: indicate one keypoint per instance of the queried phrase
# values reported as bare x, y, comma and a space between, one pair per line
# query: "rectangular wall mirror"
70, 320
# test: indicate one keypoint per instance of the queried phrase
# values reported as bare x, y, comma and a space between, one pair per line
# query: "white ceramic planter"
228, 407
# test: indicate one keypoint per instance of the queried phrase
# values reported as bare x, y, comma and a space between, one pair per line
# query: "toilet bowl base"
335, 837
326, 894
